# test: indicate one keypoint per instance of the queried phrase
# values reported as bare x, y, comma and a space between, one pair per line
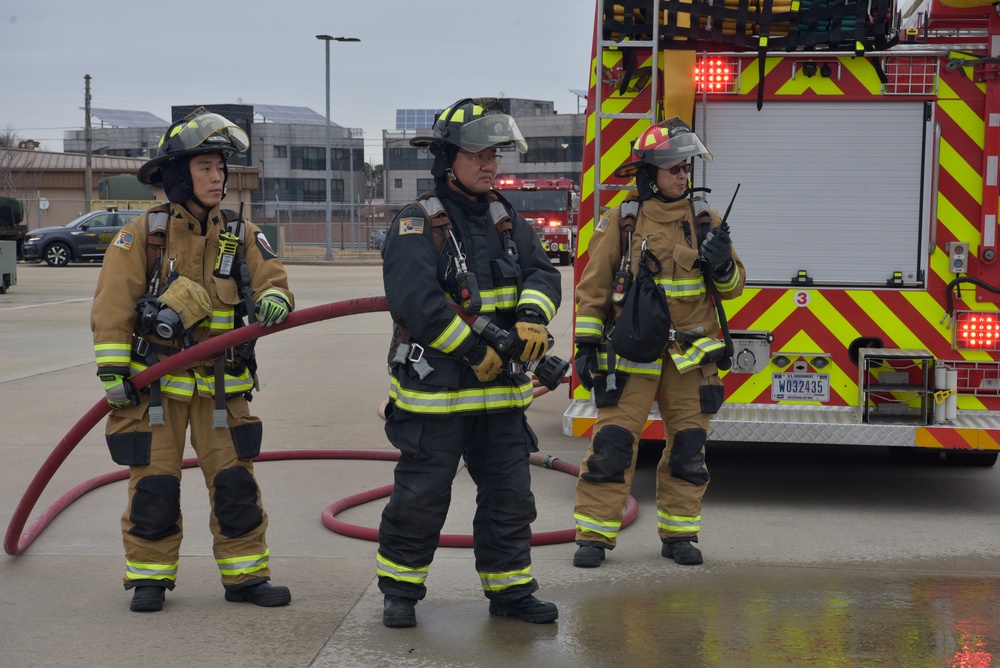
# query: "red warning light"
716, 75
977, 330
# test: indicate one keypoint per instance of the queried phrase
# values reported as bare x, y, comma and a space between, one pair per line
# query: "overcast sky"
147, 56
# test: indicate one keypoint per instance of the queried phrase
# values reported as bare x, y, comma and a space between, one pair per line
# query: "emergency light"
976, 330
716, 75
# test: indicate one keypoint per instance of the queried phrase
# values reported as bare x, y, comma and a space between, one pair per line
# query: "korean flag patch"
411, 226
602, 224
264, 247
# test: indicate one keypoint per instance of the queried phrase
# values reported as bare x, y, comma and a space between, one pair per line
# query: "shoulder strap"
437, 217
628, 213
156, 238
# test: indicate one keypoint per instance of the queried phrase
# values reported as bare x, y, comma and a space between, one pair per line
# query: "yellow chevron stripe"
967, 175
587, 231
817, 84
956, 223
987, 440
959, 111
863, 70
749, 77
901, 334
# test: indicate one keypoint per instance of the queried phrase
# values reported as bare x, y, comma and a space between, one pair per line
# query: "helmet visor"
205, 130
678, 149
488, 131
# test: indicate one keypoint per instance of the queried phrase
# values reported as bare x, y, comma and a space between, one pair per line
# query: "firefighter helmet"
199, 132
474, 125
664, 145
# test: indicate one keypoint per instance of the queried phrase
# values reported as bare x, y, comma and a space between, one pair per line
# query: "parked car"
84, 239
375, 239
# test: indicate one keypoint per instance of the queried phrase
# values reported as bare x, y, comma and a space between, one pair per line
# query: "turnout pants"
495, 448
685, 402
152, 526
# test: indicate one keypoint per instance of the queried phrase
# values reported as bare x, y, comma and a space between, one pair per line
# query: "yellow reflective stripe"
588, 524
696, 353
628, 366
684, 287
250, 563
136, 570
390, 569
232, 384
539, 300
503, 298
679, 523
501, 581
589, 326
220, 320
453, 336
113, 353
454, 401
733, 281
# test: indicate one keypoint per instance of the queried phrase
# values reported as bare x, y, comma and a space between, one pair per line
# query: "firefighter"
683, 376
184, 272
457, 251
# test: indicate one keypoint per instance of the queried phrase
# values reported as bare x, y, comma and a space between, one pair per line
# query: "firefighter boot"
527, 609
398, 612
589, 555
682, 551
147, 598
259, 592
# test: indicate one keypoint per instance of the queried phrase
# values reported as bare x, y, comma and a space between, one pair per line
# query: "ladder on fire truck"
625, 44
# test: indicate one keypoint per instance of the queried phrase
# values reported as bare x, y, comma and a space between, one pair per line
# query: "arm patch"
264, 247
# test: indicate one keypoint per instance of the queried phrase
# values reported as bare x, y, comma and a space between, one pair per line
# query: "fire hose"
16, 541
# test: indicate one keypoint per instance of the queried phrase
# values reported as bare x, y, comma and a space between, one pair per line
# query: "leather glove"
586, 364
718, 250
485, 361
531, 340
119, 390
271, 309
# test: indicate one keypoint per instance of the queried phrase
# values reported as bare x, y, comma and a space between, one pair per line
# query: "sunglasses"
677, 169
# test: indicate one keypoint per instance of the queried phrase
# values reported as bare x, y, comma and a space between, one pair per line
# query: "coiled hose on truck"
17, 540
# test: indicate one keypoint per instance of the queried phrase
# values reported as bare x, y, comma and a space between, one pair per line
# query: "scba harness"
156, 315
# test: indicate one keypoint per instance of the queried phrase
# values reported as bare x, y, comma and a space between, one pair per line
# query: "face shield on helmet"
472, 125
664, 145
200, 132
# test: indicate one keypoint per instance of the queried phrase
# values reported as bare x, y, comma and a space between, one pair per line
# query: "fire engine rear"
551, 206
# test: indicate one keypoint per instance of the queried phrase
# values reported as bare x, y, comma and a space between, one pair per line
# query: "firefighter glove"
272, 309
119, 390
586, 364
188, 299
718, 250
531, 340
485, 361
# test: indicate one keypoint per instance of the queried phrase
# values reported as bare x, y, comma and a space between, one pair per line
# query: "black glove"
586, 365
718, 250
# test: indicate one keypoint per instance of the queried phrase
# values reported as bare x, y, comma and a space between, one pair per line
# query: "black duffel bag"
643, 328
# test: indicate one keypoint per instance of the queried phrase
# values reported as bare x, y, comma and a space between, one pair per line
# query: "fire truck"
551, 206
864, 138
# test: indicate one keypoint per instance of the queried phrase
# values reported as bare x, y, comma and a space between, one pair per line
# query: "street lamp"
329, 223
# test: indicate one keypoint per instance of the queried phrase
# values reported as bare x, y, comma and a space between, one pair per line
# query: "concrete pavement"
813, 556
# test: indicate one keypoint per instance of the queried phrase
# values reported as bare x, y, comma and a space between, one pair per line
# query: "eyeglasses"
482, 157
677, 169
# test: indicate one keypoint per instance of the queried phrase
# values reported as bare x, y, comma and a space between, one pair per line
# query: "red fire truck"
551, 205
865, 137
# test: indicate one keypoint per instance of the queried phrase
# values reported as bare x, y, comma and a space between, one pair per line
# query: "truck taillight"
716, 75
553, 223
976, 330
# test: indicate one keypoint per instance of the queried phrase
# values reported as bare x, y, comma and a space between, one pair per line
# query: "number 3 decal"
801, 298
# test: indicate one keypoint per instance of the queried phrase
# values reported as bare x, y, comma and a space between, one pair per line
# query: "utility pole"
89, 171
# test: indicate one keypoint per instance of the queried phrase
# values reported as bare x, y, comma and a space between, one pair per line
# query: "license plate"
800, 387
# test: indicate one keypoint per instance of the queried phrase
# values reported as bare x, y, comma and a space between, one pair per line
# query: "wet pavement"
815, 556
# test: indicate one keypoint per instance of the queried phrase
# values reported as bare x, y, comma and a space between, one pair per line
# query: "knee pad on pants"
235, 502
612, 455
687, 461
156, 507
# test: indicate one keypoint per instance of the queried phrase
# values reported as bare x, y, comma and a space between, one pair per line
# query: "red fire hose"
15, 542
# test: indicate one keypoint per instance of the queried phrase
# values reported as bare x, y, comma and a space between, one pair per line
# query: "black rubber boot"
147, 598
263, 594
682, 551
398, 612
527, 609
588, 555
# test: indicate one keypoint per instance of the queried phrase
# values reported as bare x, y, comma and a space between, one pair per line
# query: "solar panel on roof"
125, 118
285, 114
